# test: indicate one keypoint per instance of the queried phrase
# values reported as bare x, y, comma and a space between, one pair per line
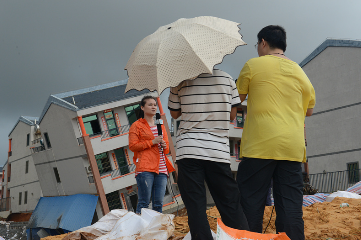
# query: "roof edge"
25, 119
330, 43
91, 89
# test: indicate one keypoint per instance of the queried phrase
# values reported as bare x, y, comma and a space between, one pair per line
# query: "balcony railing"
38, 149
115, 132
37, 141
5, 204
123, 170
328, 182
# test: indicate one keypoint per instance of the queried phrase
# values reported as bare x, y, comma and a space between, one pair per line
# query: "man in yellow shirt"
280, 95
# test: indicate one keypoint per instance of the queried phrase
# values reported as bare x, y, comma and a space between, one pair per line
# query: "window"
57, 175
113, 200
353, 172
132, 113
28, 139
240, 118
91, 125
26, 166
20, 198
103, 163
47, 140
122, 161
9, 172
112, 126
25, 197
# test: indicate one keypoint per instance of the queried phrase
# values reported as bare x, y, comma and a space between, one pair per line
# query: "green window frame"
240, 118
91, 125
103, 163
132, 113
112, 125
122, 161
113, 200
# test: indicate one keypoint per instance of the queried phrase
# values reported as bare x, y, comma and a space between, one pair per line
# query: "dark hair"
274, 35
142, 103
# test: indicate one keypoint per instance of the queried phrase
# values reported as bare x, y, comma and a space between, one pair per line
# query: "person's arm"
135, 143
309, 112
233, 113
174, 105
242, 97
175, 114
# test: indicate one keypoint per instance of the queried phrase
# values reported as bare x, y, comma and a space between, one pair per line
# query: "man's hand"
309, 112
242, 97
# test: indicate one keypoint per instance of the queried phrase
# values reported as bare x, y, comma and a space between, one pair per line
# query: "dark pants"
254, 179
223, 188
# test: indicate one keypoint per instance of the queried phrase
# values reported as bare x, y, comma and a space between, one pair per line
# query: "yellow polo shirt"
279, 94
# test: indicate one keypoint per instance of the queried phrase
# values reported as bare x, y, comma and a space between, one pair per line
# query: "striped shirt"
206, 104
162, 166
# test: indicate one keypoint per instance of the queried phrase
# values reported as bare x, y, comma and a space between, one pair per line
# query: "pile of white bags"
121, 224
342, 194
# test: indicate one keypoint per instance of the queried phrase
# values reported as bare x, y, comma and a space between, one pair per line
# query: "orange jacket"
147, 153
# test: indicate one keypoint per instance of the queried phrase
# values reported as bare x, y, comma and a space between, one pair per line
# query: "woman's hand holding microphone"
160, 140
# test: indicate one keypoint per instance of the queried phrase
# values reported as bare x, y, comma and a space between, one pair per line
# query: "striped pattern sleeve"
174, 103
235, 101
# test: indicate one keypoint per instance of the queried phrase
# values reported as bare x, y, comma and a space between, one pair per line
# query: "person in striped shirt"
152, 164
205, 107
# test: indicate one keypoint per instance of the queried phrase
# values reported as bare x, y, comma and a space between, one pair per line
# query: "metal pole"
94, 168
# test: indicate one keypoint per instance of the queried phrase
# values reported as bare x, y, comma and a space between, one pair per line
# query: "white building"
20, 188
333, 131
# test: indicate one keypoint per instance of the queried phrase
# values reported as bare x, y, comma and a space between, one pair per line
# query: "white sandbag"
106, 223
121, 224
342, 194
159, 227
128, 227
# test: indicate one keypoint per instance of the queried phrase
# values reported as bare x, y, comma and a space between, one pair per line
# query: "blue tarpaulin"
66, 212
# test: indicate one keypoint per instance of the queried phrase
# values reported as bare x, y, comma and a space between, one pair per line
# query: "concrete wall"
20, 181
65, 154
333, 131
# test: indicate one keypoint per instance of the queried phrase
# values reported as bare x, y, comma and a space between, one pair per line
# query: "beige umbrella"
181, 50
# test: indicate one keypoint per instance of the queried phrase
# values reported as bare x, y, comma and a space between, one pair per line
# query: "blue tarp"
67, 212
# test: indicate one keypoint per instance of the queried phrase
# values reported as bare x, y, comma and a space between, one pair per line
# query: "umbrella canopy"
181, 50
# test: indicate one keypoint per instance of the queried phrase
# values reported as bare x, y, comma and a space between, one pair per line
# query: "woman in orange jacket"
152, 164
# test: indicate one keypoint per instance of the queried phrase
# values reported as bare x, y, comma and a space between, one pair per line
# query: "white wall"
20, 181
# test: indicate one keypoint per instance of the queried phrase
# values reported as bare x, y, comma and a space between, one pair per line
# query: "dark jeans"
254, 179
151, 184
191, 176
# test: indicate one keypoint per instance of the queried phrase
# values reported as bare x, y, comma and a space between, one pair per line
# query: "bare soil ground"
322, 221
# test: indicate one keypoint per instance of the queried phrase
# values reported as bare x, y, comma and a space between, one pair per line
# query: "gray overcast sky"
48, 47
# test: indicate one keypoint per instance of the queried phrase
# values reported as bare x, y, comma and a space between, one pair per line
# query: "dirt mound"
325, 220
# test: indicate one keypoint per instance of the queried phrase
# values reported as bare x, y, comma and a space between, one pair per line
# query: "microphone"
159, 123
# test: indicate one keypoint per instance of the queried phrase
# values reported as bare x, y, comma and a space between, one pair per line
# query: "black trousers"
254, 179
191, 176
